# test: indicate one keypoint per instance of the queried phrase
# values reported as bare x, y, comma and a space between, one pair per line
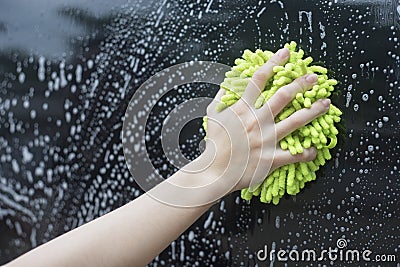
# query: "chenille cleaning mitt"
320, 133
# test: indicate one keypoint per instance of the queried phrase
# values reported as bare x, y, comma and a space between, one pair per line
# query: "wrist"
196, 184
215, 175
226, 174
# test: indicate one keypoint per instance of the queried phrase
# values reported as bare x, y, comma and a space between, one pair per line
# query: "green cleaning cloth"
321, 133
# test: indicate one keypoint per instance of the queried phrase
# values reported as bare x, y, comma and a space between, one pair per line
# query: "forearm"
131, 235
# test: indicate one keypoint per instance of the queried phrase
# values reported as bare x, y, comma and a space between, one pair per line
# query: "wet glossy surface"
68, 70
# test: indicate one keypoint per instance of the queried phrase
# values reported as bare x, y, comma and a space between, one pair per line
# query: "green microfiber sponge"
320, 133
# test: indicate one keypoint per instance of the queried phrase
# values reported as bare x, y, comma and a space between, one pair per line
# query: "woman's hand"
241, 150
243, 141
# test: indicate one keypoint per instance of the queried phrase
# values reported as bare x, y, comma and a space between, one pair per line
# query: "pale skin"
137, 232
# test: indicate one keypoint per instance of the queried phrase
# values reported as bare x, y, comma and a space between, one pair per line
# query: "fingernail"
326, 102
283, 53
312, 78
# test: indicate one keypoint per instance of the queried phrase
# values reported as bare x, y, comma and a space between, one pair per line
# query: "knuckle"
321, 108
251, 125
307, 155
265, 72
302, 157
316, 107
255, 146
296, 120
259, 75
240, 107
273, 61
285, 94
301, 84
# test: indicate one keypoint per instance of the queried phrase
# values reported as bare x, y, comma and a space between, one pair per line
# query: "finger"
284, 157
216, 100
263, 74
286, 93
301, 118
